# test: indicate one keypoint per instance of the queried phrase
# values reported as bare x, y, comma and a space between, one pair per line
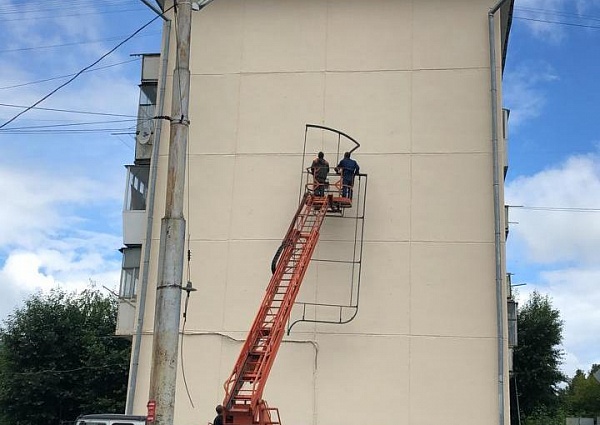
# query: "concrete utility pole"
172, 238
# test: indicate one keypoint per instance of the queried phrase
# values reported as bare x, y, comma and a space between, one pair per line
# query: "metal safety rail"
243, 390
344, 262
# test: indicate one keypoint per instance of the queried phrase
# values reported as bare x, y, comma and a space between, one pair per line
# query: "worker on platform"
348, 168
219, 418
320, 169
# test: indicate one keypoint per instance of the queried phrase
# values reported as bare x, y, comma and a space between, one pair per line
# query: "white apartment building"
401, 317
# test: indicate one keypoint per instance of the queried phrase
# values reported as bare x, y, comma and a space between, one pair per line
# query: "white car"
110, 419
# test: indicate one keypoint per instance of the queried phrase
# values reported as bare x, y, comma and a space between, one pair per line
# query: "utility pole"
167, 314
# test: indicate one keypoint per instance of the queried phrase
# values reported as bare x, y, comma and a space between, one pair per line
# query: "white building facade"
410, 80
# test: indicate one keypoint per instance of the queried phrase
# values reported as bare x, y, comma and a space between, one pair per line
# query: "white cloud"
574, 292
45, 269
21, 269
558, 249
550, 236
32, 25
525, 91
37, 204
26, 272
537, 11
110, 90
544, 17
62, 195
103, 92
43, 240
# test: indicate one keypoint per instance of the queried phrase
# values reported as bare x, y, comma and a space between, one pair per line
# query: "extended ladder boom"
243, 390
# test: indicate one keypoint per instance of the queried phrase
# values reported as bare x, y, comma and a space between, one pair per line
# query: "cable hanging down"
188, 289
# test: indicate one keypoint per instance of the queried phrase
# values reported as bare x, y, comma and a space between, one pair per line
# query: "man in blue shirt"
348, 168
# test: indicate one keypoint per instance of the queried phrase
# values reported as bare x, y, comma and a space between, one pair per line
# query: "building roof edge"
506, 15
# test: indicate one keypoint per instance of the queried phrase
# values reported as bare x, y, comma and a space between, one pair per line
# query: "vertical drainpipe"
497, 213
135, 355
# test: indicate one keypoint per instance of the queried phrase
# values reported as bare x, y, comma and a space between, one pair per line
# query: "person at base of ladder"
320, 169
218, 420
348, 168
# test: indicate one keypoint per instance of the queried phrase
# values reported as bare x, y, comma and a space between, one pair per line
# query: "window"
137, 187
130, 272
150, 67
146, 108
148, 94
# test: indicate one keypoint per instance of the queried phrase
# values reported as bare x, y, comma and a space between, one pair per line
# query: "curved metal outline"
333, 130
357, 218
322, 127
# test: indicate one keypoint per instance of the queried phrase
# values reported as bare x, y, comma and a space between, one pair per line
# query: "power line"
74, 43
559, 13
55, 16
123, 130
80, 72
572, 24
70, 111
65, 76
50, 5
66, 125
124, 142
559, 209
54, 371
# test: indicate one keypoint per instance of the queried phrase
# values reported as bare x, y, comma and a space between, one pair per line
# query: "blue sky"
551, 87
60, 221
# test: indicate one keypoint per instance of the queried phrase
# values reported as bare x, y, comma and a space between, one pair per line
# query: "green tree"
543, 416
583, 394
538, 357
59, 358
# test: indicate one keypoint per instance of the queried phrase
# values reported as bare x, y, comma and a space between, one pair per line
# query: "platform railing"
333, 188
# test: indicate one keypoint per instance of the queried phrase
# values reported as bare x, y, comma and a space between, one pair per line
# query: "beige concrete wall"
410, 81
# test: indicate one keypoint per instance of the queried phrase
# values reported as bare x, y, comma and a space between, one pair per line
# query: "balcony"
130, 273
134, 209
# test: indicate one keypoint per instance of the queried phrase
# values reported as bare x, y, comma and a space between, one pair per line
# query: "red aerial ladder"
243, 401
